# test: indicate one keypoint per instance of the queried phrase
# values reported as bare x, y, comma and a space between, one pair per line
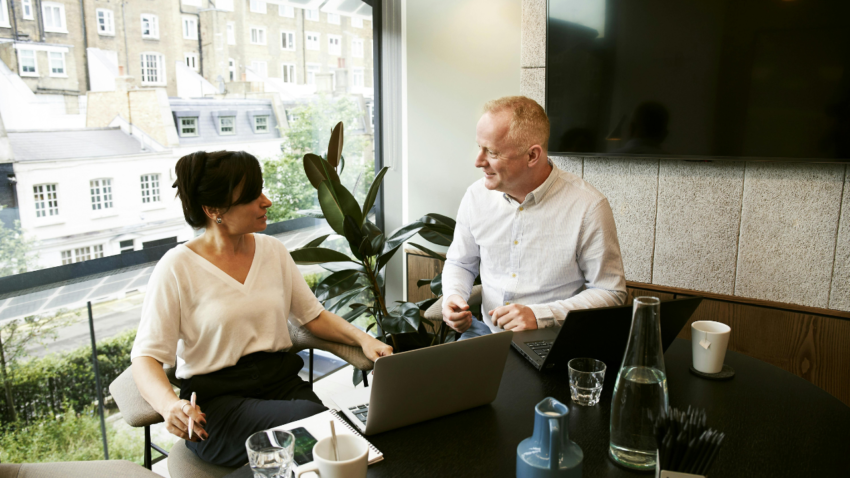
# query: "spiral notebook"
319, 427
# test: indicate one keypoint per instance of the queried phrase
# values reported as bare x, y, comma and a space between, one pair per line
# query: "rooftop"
71, 144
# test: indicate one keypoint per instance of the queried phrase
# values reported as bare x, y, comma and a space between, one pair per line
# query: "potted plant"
361, 273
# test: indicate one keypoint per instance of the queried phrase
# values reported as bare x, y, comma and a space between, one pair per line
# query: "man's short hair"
529, 123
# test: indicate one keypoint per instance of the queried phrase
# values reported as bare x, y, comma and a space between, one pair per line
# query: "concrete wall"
773, 231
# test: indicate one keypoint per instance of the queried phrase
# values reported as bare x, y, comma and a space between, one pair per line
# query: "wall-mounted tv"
702, 78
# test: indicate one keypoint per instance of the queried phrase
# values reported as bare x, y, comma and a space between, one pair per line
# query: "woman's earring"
218, 220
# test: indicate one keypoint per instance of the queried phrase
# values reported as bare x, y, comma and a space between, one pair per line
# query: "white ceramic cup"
353, 458
708, 342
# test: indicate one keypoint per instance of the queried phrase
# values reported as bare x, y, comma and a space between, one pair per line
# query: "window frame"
290, 39
156, 196
358, 24
314, 69
362, 75
261, 6
333, 16
334, 49
105, 200
153, 22
63, 28
256, 127
49, 206
291, 69
259, 30
21, 71
162, 79
308, 14
260, 67
190, 27
108, 21
355, 51
230, 32
51, 73
196, 126
231, 68
220, 127
25, 4
285, 11
317, 41
193, 56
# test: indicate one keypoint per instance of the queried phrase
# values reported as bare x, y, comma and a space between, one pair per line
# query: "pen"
191, 422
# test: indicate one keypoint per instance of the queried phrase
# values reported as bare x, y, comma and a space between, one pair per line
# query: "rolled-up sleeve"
303, 306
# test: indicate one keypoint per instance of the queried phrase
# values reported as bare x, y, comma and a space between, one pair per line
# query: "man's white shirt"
554, 252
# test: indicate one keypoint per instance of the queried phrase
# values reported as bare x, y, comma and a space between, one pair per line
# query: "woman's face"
245, 218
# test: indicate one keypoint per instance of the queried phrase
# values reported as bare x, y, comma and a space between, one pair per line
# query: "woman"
220, 303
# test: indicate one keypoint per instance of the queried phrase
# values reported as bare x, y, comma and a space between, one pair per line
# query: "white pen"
191, 422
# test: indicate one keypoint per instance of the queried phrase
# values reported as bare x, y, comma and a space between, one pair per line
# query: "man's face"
502, 162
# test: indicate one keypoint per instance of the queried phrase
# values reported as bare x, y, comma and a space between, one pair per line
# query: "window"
191, 60
357, 77
46, 200
226, 5
312, 15
286, 11
28, 64
333, 44
231, 33
261, 124
258, 6
153, 69
4, 16
287, 40
356, 22
67, 258
81, 254
312, 40
54, 17
357, 47
231, 67
226, 125
370, 109
260, 68
312, 69
57, 63
101, 194
190, 28
333, 19
27, 12
150, 188
188, 127
150, 26
105, 22
258, 35
288, 73
126, 246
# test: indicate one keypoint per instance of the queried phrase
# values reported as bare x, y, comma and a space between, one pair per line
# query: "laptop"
600, 333
411, 387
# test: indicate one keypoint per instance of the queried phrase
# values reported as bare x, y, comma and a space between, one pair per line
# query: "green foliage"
14, 251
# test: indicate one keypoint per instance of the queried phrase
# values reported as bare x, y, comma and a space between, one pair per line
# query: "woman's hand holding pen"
177, 420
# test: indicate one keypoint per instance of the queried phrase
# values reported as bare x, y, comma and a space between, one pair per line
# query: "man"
543, 239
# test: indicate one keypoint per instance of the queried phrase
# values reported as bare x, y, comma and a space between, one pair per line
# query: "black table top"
777, 424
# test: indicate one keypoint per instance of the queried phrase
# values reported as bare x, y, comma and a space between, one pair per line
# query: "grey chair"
76, 469
182, 463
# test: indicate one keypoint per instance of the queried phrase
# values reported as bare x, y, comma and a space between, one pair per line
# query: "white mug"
708, 342
353, 458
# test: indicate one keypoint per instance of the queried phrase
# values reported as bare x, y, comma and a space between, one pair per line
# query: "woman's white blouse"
195, 311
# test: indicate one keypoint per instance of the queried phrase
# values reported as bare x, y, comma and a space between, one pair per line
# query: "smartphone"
304, 441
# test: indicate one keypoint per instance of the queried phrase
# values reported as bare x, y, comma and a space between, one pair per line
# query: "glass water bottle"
640, 393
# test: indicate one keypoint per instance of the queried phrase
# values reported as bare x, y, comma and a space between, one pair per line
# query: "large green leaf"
335, 145
422, 282
397, 325
410, 313
373, 192
317, 241
433, 218
437, 284
425, 304
395, 241
343, 299
355, 313
353, 235
317, 255
314, 170
431, 253
337, 283
438, 235
336, 202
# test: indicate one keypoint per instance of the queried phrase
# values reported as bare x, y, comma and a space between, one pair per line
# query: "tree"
16, 336
15, 248
309, 130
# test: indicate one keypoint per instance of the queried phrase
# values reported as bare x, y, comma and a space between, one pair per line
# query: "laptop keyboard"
360, 411
541, 348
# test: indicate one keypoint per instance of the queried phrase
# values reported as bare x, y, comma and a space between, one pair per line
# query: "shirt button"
513, 275
507, 303
520, 208
516, 242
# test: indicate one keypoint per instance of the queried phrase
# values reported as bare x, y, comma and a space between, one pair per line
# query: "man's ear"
534, 155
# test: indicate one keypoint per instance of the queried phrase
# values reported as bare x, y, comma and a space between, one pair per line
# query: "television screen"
704, 78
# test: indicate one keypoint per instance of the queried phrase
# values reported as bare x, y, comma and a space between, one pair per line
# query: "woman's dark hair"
208, 179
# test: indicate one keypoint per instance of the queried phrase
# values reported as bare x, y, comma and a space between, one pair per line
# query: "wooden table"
776, 423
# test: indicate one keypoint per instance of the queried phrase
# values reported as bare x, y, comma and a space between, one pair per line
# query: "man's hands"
514, 317
456, 313
177, 420
374, 348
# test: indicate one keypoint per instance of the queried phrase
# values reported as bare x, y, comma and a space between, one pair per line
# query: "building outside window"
286, 11
333, 19
287, 40
357, 47
226, 5
258, 6
370, 110
27, 9
46, 200
190, 28
226, 125
288, 73
57, 63
150, 26
260, 68
150, 188
312, 40
356, 22
258, 35
261, 124
81, 254
231, 68
153, 69
312, 70
334, 42
4, 15
54, 17
231, 33
28, 63
126, 246
312, 15
188, 128
105, 22
101, 194
357, 77
191, 60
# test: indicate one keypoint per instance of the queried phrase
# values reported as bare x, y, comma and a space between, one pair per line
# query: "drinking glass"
270, 453
586, 378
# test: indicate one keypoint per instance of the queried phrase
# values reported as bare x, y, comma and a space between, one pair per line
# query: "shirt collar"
537, 194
